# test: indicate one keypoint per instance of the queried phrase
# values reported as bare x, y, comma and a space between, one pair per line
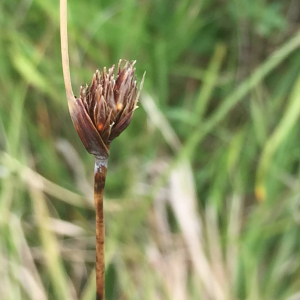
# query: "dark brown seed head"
105, 107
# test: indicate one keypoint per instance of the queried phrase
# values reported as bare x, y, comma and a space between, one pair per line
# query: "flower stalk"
99, 183
100, 113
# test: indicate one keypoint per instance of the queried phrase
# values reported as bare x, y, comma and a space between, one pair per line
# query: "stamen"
119, 106
100, 126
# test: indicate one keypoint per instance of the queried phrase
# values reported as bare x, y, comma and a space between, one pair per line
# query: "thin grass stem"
64, 49
99, 183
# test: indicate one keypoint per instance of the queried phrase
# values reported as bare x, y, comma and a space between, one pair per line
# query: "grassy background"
203, 191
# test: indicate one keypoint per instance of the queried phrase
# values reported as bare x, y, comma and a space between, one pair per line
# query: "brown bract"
105, 107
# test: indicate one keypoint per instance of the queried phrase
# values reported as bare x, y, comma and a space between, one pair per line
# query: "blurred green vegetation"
203, 191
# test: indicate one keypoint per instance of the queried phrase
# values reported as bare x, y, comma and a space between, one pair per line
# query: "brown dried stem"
99, 183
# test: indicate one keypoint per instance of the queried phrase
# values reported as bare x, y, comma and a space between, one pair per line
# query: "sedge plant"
102, 111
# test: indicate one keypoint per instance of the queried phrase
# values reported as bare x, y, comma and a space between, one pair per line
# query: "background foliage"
202, 195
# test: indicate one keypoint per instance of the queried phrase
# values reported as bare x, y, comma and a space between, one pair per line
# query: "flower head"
105, 107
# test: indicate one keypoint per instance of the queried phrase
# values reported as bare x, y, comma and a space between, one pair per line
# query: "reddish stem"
100, 176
